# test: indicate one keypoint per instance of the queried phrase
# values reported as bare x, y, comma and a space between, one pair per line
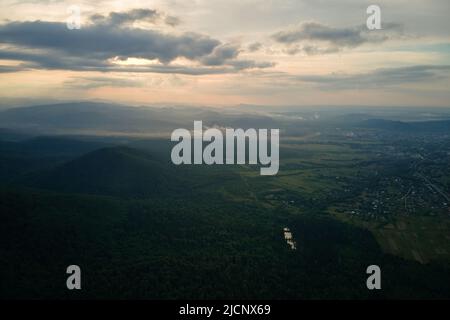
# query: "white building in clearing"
289, 238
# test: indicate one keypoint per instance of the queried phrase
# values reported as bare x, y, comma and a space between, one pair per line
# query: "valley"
141, 227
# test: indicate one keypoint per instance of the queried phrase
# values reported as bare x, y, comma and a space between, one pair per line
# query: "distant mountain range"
102, 118
107, 119
418, 126
92, 117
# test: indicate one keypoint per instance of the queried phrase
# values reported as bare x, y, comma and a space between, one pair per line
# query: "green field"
312, 172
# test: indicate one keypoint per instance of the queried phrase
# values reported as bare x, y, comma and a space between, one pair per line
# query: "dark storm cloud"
51, 45
118, 18
316, 31
8, 69
104, 42
250, 64
52, 61
172, 21
147, 15
311, 50
255, 46
384, 77
221, 55
334, 38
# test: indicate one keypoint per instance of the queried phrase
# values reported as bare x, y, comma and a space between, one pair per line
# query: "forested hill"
117, 171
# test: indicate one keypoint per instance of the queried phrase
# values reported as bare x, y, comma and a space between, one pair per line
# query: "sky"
225, 53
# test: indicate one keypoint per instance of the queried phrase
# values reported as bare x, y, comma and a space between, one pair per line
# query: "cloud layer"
128, 17
319, 38
379, 78
95, 47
